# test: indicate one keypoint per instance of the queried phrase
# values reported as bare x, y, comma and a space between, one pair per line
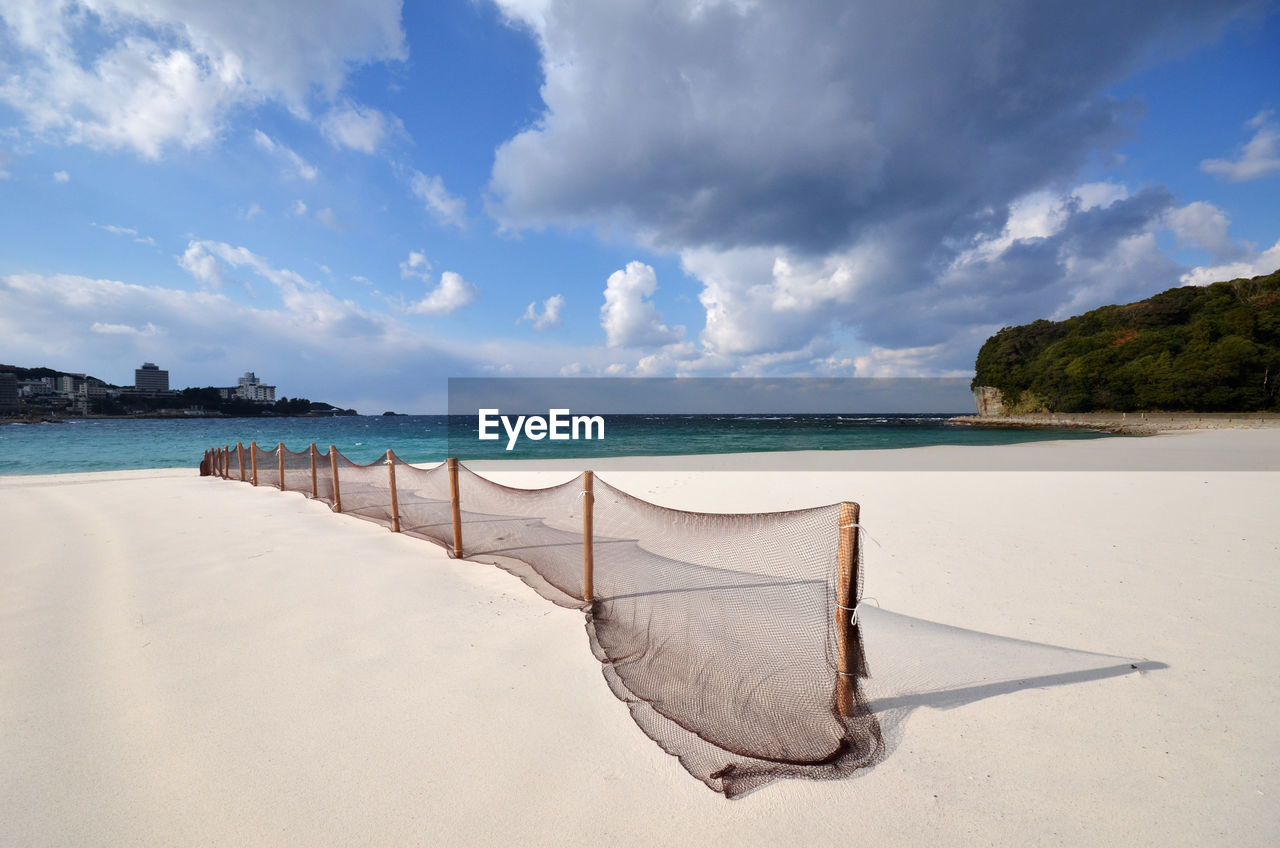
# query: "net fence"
731, 638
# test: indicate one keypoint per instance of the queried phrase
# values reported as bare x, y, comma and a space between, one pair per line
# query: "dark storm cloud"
802, 124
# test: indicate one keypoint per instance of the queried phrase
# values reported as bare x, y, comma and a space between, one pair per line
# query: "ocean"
119, 444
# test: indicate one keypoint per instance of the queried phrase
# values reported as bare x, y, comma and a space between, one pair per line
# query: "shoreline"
1125, 423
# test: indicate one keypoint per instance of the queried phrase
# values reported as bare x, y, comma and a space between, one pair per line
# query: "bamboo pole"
333, 466
452, 464
850, 661
253, 460
315, 490
588, 539
240, 458
395, 501
226, 462
280, 453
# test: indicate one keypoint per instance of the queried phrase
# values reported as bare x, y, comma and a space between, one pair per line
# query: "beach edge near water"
194, 660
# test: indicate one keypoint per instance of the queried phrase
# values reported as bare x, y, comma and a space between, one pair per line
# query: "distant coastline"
39, 418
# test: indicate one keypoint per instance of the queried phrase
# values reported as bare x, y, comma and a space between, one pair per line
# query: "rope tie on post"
862, 530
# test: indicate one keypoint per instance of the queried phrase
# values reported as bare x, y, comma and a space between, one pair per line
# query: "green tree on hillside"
1214, 348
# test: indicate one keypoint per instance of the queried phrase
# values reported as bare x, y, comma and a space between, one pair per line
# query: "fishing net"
721, 633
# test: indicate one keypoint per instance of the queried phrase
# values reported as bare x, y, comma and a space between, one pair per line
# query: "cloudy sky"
358, 200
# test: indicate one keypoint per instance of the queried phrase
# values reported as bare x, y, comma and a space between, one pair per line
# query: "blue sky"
357, 200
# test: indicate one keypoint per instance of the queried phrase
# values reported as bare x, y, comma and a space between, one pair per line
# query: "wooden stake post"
849, 658
280, 451
253, 460
315, 491
226, 462
240, 458
588, 540
452, 464
333, 466
395, 501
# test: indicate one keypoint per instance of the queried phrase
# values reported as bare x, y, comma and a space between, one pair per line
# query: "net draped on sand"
720, 632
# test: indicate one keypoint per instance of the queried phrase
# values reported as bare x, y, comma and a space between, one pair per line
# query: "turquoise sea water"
117, 444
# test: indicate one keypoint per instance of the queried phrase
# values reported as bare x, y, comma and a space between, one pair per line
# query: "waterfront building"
8, 392
150, 379
250, 388
69, 384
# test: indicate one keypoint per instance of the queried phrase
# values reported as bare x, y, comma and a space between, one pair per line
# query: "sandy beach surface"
188, 661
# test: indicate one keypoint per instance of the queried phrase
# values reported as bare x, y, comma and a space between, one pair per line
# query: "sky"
359, 199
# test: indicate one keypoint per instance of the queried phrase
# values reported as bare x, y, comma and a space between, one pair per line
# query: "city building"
250, 388
8, 392
69, 384
39, 387
150, 379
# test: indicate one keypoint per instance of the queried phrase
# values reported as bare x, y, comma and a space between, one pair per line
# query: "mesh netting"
297, 472
723, 634
365, 490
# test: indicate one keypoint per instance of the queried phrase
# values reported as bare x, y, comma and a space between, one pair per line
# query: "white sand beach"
187, 660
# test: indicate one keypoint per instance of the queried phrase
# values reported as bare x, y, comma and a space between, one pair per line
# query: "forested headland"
1212, 348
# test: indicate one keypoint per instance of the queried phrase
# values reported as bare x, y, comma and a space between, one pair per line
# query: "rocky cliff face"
988, 400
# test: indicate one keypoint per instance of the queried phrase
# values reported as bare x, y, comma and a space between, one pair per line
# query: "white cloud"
299, 208
628, 317
117, 231
61, 177
884, 304
357, 127
900, 362
171, 72
125, 329
296, 165
444, 207
252, 212
1099, 195
208, 261
762, 300
1265, 262
1202, 224
1259, 158
452, 293
126, 232
416, 266
549, 316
